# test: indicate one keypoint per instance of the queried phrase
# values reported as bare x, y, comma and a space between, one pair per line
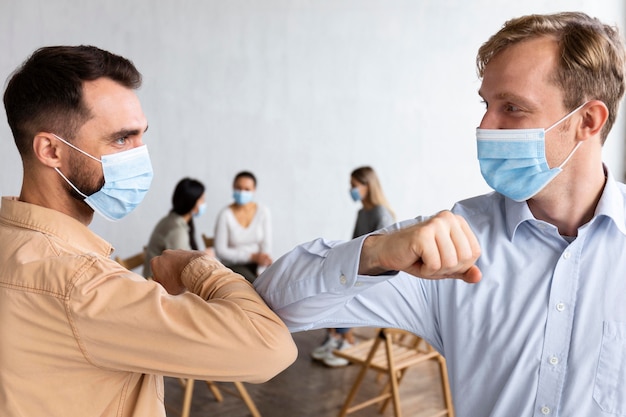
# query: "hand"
442, 247
261, 259
168, 267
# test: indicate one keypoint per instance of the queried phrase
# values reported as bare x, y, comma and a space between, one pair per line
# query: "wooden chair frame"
394, 358
209, 242
133, 261
241, 392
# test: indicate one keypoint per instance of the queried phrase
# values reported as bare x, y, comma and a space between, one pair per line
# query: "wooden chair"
392, 352
133, 261
209, 242
241, 393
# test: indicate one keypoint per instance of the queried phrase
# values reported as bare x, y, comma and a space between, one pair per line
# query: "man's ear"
594, 117
47, 150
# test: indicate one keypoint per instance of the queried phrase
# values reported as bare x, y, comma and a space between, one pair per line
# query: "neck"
367, 205
46, 192
570, 200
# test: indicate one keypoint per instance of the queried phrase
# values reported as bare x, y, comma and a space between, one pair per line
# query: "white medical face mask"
127, 179
513, 161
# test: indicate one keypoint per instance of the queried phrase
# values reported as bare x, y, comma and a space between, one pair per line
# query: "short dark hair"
245, 174
46, 92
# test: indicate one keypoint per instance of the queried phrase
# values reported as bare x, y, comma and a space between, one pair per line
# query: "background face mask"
242, 197
127, 179
201, 210
513, 161
355, 194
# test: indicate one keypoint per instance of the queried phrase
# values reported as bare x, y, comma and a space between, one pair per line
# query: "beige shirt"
82, 336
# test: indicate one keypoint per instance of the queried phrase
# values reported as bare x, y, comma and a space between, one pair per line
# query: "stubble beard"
87, 179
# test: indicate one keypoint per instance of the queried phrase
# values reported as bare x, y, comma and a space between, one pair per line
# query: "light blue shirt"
543, 333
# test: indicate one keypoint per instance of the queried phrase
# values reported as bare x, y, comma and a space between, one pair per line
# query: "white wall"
299, 92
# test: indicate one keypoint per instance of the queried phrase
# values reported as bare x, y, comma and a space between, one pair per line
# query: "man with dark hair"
79, 334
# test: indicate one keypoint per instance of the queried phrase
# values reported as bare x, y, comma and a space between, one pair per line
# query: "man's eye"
511, 108
121, 141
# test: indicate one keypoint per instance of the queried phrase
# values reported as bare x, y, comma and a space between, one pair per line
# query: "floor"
310, 389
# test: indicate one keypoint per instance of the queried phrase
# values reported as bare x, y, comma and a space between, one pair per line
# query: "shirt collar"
611, 205
52, 222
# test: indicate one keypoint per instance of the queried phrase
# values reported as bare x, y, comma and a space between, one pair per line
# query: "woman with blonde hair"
375, 214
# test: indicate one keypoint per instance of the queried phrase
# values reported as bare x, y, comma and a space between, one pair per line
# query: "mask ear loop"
562, 118
578, 144
69, 182
570, 155
79, 150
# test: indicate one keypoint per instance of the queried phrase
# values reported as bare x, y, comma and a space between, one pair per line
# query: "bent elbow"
278, 357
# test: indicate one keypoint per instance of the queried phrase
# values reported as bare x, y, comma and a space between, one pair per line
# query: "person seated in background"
243, 231
80, 335
176, 230
375, 214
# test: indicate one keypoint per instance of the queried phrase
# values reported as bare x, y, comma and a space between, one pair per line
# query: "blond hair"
375, 196
591, 65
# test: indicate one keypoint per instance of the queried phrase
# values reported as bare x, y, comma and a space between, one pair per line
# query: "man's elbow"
278, 357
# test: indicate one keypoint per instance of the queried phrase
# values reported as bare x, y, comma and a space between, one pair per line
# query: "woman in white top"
243, 230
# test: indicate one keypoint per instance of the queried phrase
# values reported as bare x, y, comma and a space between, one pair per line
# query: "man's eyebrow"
511, 97
126, 132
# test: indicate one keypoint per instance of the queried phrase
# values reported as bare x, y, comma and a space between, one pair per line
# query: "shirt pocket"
609, 391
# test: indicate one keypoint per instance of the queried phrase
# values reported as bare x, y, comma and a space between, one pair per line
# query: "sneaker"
330, 344
335, 361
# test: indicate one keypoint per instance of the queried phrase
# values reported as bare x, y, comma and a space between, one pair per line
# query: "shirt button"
358, 284
567, 254
554, 360
343, 279
560, 306
545, 410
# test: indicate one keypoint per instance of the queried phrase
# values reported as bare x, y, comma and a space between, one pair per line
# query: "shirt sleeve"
317, 285
218, 330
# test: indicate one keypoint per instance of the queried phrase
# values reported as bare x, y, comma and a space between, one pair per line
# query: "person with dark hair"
177, 230
243, 230
79, 334
521, 289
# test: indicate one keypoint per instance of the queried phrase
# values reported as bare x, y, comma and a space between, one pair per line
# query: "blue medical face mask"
513, 161
242, 197
127, 179
355, 194
201, 210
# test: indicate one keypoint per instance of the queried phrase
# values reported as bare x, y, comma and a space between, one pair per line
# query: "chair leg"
447, 396
359, 379
393, 375
216, 391
387, 388
187, 399
246, 398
